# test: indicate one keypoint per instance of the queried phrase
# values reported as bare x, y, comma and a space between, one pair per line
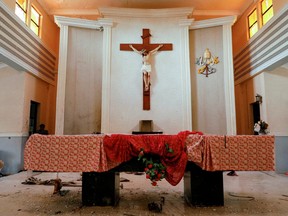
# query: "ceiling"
90, 7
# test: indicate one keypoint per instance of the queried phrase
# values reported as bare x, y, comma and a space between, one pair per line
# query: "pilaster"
106, 75
61, 85
185, 72
229, 80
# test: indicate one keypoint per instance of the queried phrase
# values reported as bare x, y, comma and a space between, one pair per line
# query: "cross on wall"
148, 47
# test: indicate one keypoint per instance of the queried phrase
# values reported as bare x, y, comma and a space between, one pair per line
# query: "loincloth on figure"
146, 68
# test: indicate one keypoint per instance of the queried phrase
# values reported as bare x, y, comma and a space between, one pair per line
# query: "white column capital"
106, 22
185, 22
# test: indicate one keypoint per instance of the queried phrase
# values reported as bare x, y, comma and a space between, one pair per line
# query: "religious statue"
146, 65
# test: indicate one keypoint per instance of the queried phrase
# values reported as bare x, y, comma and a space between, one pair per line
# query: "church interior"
123, 67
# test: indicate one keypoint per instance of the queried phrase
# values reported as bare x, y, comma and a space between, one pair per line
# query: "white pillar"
61, 84
185, 73
229, 80
106, 75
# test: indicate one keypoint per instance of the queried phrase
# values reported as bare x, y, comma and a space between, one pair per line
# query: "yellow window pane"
22, 3
252, 18
34, 28
35, 16
253, 30
265, 5
20, 13
268, 15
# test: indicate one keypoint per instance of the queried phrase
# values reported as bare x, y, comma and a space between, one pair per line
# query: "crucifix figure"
146, 50
146, 65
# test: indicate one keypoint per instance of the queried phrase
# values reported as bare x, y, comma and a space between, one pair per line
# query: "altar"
198, 158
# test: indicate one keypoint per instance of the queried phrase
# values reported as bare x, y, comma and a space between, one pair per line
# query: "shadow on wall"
12, 154
281, 152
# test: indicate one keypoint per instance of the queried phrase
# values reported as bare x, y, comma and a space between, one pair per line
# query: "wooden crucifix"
145, 49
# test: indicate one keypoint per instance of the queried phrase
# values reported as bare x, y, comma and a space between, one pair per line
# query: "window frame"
29, 21
254, 10
24, 11
32, 20
260, 16
263, 13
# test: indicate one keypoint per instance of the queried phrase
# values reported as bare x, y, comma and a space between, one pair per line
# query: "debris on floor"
156, 206
232, 173
241, 196
35, 181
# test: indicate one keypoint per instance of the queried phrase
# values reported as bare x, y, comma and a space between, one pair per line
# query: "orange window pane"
35, 16
22, 4
265, 5
252, 18
268, 15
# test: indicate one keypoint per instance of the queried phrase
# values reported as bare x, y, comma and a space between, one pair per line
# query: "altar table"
207, 157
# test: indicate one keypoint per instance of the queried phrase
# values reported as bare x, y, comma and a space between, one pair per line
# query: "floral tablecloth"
86, 153
238, 152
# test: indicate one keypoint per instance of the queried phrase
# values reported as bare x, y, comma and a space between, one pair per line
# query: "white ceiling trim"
229, 20
76, 22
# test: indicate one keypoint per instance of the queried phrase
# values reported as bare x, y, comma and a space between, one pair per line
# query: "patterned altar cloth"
238, 152
86, 153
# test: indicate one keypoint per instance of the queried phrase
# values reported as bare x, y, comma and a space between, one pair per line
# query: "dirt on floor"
249, 193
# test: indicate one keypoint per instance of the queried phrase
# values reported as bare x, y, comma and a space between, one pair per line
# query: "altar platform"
200, 159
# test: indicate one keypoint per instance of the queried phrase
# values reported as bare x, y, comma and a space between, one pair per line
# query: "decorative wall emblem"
206, 62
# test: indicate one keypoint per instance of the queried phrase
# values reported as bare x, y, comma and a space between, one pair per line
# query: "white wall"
122, 91
126, 77
83, 83
276, 100
208, 98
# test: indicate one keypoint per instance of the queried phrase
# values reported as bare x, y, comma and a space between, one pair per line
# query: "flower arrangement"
261, 127
154, 169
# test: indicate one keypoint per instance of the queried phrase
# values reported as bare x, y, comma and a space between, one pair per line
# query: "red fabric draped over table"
121, 148
98, 153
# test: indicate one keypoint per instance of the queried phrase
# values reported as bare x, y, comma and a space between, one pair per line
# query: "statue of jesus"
146, 65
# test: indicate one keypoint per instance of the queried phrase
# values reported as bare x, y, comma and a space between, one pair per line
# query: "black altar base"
100, 189
201, 188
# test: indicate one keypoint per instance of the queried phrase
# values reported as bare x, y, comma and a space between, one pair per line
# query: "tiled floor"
249, 193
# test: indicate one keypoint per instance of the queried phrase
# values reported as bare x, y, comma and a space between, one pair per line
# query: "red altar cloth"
87, 153
121, 148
